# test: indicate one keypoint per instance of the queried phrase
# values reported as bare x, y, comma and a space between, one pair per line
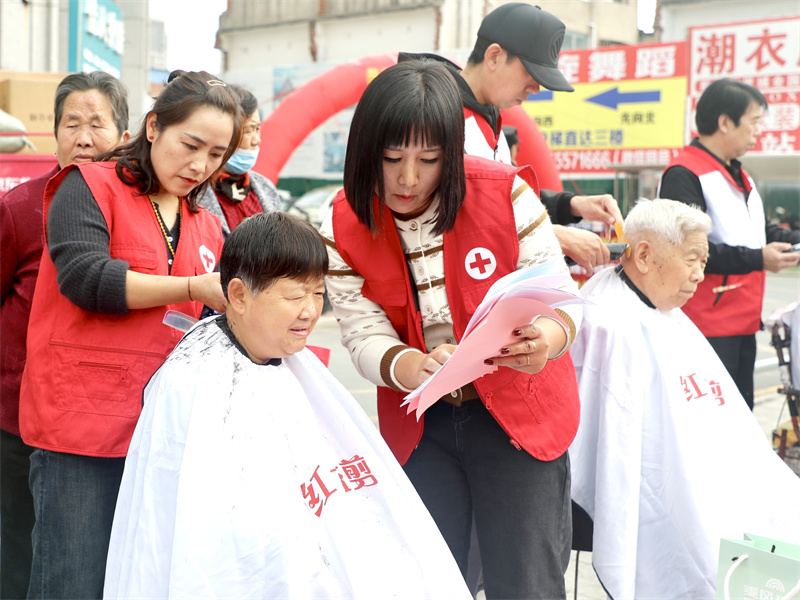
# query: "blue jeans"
74, 499
16, 508
466, 463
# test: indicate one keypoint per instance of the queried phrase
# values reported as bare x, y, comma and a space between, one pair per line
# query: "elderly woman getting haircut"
252, 472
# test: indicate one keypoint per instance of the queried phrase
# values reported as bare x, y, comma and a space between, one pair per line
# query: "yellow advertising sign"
628, 107
647, 113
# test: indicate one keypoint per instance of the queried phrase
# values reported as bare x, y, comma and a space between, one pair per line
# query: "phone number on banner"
601, 161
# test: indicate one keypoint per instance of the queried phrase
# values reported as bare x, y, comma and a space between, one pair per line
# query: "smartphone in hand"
794, 248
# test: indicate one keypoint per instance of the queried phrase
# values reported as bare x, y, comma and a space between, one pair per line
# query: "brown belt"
461, 395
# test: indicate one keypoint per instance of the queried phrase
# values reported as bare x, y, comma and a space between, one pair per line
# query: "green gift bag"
758, 568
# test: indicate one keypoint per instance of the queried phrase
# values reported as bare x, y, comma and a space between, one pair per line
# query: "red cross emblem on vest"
480, 263
208, 259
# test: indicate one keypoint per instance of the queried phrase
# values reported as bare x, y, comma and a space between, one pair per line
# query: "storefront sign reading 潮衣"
765, 54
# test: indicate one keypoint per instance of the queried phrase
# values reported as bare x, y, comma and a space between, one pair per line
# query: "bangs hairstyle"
669, 219
416, 101
270, 246
184, 94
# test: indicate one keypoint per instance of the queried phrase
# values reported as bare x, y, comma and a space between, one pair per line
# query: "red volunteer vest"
539, 412
488, 133
735, 311
82, 385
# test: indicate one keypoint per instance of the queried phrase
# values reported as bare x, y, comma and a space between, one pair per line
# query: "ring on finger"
527, 360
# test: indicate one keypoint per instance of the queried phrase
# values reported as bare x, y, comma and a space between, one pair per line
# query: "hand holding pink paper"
512, 301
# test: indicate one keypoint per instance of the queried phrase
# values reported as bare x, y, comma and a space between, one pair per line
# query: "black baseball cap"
532, 34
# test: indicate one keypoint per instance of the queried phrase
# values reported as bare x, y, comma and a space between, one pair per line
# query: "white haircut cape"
263, 481
662, 465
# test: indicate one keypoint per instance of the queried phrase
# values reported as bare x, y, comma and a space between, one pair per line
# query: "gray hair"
113, 89
668, 219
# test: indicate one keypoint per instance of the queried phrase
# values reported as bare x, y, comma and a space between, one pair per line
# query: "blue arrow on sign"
613, 97
542, 96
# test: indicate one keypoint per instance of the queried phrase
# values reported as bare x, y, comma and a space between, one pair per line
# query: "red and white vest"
735, 222
539, 412
480, 139
83, 381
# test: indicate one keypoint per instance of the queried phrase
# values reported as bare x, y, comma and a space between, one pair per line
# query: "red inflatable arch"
309, 106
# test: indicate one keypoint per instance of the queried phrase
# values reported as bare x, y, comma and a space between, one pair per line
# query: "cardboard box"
32, 76
29, 96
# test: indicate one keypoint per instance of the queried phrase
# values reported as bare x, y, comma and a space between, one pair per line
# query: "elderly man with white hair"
667, 459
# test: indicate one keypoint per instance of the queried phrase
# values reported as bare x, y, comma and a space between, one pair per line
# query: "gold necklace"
167, 238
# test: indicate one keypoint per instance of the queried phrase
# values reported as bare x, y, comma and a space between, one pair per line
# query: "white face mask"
241, 161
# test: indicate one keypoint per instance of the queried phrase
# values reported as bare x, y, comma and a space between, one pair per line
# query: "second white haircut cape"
668, 458
266, 481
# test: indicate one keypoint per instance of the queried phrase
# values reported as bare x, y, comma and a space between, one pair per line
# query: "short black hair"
270, 246
725, 97
410, 102
479, 51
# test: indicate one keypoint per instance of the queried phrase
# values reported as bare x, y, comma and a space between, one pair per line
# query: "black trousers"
465, 465
17, 516
738, 354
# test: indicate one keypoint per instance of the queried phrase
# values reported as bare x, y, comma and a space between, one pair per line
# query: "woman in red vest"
416, 238
125, 241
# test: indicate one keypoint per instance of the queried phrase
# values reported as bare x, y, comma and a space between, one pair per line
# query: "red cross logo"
480, 263
208, 258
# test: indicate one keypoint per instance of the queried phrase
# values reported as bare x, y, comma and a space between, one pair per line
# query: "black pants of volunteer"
738, 354
466, 463
16, 516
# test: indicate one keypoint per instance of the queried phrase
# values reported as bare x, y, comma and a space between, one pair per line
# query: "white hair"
668, 219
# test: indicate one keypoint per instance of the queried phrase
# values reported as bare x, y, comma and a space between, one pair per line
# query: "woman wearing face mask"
236, 192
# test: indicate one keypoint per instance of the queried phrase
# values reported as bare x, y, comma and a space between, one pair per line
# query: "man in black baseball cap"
533, 35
